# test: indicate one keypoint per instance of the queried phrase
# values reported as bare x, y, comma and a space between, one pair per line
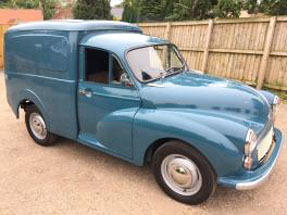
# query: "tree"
228, 8
274, 7
168, 7
191, 9
131, 11
92, 9
176, 10
269, 7
151, 10
6, 3
48, 6
28, 4
252, 6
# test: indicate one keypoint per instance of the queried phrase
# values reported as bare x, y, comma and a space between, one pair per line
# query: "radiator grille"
265, 144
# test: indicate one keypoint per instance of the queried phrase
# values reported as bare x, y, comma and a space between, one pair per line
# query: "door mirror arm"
124, 79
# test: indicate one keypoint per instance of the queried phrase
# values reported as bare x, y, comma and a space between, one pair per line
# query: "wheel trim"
181, 174
38, 126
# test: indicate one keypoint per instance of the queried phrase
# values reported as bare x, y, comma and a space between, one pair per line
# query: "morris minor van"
108, 86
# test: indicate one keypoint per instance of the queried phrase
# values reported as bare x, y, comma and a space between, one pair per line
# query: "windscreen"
153, 62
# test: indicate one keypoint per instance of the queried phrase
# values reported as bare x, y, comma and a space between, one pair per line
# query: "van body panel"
41, 67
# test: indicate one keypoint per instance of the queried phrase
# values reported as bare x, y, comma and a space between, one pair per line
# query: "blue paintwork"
44, 63
268, 95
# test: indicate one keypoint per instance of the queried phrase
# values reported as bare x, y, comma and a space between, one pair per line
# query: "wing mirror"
125, 80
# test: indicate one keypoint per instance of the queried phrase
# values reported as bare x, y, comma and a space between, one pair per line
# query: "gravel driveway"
70, 178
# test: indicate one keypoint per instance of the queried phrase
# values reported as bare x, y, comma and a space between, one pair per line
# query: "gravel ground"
70, 178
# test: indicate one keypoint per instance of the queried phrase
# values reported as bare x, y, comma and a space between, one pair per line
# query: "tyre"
37, 127
183, 173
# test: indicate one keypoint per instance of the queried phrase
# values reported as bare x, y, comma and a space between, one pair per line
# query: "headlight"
276, 100
275, 104
250, 145
251, 141
248, 161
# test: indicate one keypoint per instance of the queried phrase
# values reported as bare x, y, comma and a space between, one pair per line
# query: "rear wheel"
183, 173
37, 127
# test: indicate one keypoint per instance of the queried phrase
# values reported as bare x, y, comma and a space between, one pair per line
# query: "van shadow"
143, 175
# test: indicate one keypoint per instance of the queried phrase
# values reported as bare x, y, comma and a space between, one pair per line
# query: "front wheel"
183, 173
37, 127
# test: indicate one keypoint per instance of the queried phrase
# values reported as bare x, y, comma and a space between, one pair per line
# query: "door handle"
85, 92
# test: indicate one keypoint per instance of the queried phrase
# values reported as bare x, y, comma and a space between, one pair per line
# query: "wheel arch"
162, 141
28, 97
24, 103
154, 146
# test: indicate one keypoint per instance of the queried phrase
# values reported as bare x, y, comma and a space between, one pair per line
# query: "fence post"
168, 31
206, 48
266, 53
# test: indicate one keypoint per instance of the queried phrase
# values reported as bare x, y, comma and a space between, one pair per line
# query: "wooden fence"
3, 29
252, 50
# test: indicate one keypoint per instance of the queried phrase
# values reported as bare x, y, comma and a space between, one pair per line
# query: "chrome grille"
265, 144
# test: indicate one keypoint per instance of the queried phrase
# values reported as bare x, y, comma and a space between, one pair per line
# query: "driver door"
106, 105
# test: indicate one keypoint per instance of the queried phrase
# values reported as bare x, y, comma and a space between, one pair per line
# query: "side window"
97, 66
44, 55
117, 71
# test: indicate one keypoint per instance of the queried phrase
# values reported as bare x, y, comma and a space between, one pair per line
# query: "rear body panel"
40, 67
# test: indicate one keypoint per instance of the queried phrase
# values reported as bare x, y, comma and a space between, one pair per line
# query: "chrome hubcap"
181, 174
38, 126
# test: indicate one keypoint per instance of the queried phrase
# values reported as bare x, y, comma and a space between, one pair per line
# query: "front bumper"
253, 179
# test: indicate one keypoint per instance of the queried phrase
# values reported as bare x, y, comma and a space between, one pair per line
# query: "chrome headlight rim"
250, 142
275, 104
276, 100
249, 147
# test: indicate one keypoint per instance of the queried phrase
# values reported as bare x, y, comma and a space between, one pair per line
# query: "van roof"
76, 25
120, 42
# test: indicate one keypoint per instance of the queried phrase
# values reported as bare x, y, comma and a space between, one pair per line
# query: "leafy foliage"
4, 3
151, 10
191, 9
228, 8
251, 6
131, 11
274, 7
48, 6
269, 7
92, 9
162, 10
28, 4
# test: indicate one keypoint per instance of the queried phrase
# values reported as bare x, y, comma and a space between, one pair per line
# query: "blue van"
106, 85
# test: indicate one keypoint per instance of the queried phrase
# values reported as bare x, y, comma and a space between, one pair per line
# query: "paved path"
72, 179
